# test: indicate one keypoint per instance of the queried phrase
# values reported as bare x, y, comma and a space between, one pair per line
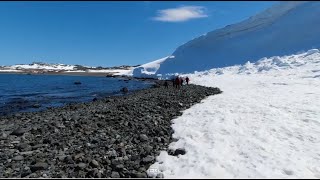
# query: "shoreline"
95, 74
98, 74
119, 136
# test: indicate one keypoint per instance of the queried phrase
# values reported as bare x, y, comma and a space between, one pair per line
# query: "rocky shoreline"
113, 137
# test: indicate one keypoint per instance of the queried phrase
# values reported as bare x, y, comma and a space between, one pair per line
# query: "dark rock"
148, 159
94, 141
160, 175
115, 174
36, 106
140, 175
61, 157
77, 156
156, 85
37, 146
27, 153
124, 90
18, 158
119, 166
143, 137
77, 82
81, 165
46, 141
18, 132
179, 151
39, 166
23, 146
94, 163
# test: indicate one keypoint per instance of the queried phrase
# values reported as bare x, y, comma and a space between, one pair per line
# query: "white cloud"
180, 14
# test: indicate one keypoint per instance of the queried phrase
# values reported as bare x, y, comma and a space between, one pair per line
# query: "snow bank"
265, 124
115, 71
149, 69
285, 28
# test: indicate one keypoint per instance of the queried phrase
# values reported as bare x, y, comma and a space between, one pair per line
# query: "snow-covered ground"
265, 124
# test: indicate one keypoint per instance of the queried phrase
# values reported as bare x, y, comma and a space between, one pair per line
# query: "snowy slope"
265, 124
285, 28
148, 69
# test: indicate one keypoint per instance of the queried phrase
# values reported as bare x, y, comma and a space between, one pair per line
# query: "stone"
39, 166
18, 158
143, 137
46, 141
27, 153
115, 174
36, 106
119, 166
179, 151
94, 163
18, 132
160, 175
81, 165
148, 159
77, 156
140, 175
61, 157
124, 90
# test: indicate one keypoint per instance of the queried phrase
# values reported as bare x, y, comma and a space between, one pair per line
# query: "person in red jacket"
177, 82
187, 80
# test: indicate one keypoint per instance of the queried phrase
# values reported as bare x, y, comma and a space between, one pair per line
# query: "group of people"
177, 82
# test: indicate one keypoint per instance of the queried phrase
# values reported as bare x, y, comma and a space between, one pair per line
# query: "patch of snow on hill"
42, 66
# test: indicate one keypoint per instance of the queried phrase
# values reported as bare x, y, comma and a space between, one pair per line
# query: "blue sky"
109, 33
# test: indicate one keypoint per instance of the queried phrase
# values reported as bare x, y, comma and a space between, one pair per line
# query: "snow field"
265, 124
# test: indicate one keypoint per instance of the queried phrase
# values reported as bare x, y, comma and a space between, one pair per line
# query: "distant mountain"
61, 67
285, 28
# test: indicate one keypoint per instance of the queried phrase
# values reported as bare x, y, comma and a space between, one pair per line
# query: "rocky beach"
117, 137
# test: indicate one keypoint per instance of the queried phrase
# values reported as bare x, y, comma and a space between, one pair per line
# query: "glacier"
285, 28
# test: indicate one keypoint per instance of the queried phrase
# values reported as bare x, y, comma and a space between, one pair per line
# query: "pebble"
95, 163
115, 174
18, 132
39, 166
82, 165
18, 158
144, 137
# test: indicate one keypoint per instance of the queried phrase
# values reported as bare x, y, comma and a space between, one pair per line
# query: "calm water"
18, 93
